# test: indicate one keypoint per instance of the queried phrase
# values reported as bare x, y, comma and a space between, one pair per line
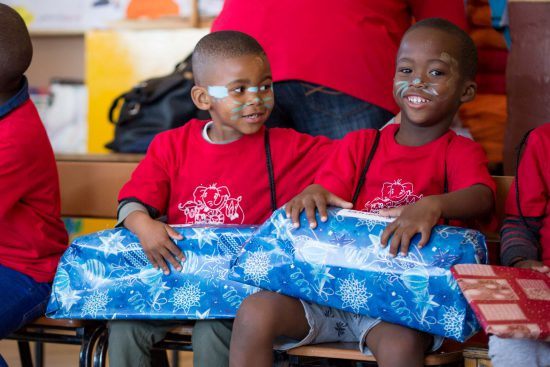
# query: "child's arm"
519, 245
156, 238
473, 202
313, 197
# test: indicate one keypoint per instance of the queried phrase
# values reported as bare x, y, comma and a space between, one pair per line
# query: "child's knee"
257, 311
129, 332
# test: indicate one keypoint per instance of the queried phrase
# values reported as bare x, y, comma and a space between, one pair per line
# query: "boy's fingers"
151, 259
310, 213
425, 237
173, 233
391, 212
176, 252
338, 201
405, 242
162, 264
390, 228
169, 258
395, 242
295, 214
321, 205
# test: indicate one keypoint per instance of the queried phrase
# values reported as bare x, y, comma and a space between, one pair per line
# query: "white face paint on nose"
416, 81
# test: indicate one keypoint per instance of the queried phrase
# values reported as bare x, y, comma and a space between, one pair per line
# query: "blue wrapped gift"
106, 275
341, 264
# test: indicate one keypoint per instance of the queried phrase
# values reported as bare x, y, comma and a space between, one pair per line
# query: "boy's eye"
238, 90
436, 73
405, 70
265, 88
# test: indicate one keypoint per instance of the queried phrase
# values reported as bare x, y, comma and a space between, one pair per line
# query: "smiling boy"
230, 170
420, 172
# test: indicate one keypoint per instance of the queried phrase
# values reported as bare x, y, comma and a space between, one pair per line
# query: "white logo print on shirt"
212, 205
394, 194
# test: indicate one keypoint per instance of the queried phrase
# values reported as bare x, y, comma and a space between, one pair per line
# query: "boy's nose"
417, 82
254, 99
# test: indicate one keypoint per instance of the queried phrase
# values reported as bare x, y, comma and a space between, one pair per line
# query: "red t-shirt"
194, 181
401, 175
534, 185
32, 235
347, 45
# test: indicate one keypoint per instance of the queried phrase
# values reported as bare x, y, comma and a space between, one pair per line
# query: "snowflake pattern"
111, 244
353, 293
453, 321
109, 277
203, 236
186, 297
68, 298
95, 303
256, 267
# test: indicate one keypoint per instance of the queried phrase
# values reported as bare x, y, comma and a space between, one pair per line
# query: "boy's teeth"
417, 100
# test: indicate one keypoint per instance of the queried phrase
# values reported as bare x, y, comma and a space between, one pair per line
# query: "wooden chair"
89, 188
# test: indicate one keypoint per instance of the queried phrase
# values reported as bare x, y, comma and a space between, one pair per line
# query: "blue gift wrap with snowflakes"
106, 275
341, 264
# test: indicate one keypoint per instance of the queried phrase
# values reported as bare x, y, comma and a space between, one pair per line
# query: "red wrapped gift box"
508, 302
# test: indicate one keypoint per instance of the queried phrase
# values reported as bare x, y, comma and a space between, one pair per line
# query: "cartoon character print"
212, 205
393, 194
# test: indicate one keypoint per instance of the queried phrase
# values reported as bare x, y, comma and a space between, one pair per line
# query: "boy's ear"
470, 89
200, 98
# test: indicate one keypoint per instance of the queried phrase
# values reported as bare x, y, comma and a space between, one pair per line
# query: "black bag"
153, 106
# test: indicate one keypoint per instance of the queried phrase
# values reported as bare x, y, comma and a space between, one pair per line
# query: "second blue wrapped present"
341, 264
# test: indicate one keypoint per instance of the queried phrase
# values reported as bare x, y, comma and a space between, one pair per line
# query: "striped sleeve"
519, 242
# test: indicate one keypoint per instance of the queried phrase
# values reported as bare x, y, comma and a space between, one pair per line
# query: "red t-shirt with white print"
401, 175
194, 181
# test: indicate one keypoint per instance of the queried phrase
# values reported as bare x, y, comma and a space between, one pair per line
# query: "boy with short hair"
212, 172
32, 235
420, 172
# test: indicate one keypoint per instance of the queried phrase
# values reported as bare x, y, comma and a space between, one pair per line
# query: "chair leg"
25, 353
175, 358
89, 340
100, 354
159, 358
39, 354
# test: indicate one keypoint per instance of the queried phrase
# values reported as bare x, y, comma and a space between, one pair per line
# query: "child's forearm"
136, 220
474, 202
519, 242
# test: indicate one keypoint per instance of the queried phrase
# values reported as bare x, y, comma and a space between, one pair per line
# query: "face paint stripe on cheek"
402, 88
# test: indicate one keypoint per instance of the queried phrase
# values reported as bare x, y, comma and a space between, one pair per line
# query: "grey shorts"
330, 325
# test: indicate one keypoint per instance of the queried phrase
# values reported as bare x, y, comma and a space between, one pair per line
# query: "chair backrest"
90, 183
503, 184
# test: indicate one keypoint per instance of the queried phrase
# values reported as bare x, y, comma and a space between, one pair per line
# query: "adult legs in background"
317, 110
211, 339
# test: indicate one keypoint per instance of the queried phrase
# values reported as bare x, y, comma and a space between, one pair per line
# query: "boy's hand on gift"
419, 217
156, 238
532, 264
313, 197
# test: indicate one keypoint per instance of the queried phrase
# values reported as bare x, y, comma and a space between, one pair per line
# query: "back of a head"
15, 47
468, 51
221, 45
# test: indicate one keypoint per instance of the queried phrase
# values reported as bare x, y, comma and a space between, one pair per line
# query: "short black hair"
15, 46
468, 51
222, 45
